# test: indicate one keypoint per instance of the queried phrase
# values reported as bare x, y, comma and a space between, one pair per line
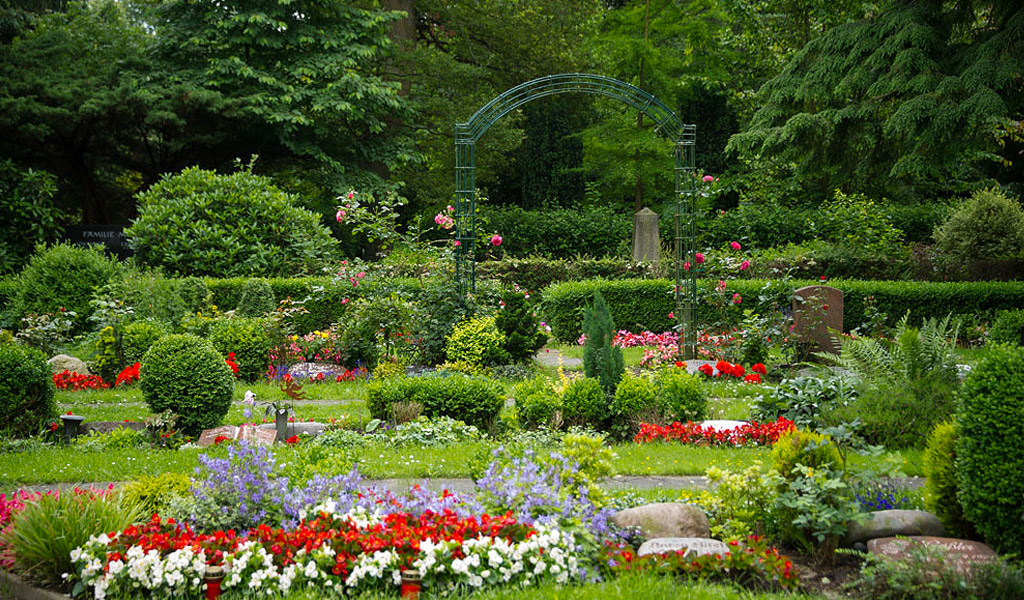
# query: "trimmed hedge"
988, 450
475, 401
325, 295
645, 304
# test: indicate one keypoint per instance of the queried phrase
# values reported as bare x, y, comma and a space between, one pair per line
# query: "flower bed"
750, 434
70, 380
753, 564
339, 552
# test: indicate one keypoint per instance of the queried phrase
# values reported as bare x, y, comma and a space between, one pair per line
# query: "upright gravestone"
646, 242
816, 310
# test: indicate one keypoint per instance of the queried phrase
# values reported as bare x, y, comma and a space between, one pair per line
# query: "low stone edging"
16, 588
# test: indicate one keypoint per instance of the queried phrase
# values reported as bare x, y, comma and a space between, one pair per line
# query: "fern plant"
913, 355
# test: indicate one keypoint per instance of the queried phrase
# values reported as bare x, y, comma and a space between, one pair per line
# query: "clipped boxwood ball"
185, 374
26, 390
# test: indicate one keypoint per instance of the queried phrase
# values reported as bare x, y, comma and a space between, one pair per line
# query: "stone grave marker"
255, 435
816, 309
646, 242
961, 554
697, 546
207, 437
258, 435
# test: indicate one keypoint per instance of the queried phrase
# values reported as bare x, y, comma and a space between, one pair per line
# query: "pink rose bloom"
736, 299
708, 179
344, 300
671, 315
699, 257
340, 215
457, 243
736, 246
496, 240
351, 195
744, 265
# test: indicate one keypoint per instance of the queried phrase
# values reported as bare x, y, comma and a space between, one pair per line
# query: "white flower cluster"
493, 561
251, 571
178, 572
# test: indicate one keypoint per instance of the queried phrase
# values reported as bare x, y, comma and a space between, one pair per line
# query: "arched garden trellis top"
665, 122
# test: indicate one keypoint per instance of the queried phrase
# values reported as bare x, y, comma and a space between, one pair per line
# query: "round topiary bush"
248, 339
62, 276
257, 299
26, 390
537, 404
988, 226
477, 342
941, 486
989, 461
200, 223
635, 402
584, 403
804, 448
185, 374
682, 395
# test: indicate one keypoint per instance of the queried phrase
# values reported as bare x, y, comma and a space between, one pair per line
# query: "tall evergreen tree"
601, 360
904, 104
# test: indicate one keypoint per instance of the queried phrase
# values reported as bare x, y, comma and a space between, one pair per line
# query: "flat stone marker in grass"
696, 546
963, 555
252, 434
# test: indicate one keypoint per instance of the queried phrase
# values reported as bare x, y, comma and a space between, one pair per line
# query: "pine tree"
601, 360
521, 328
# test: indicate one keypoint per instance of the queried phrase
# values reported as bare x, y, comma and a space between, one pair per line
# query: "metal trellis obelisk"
665, 122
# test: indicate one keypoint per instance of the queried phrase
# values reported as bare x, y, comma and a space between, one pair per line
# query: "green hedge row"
639, 305
324, 296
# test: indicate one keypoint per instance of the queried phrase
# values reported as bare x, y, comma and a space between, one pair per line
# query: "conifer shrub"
477, 342
257, 299
601, 360
518, 323
989, 460
942, 486
584, 403
248, 339
988, 226
26, 390
186, 375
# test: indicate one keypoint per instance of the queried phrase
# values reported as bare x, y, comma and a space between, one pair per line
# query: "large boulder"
665, 520
64, 362
891, 523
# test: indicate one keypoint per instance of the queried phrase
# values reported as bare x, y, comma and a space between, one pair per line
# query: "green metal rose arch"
665, 122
